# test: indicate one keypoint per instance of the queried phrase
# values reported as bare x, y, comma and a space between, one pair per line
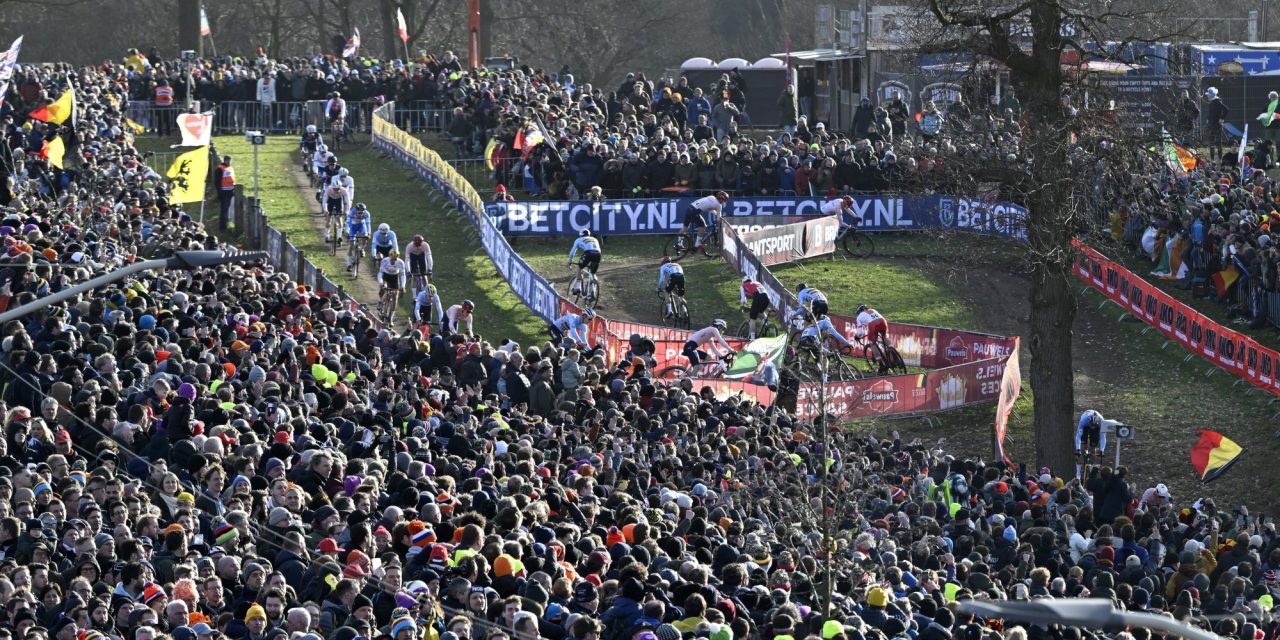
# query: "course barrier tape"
1231, 350
972, 365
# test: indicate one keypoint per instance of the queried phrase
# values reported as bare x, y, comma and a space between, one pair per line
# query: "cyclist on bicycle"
590, 248
704, 213
812, 298
392, 272
384, 241
1091, 437
336, 199
320, 159
574, 325
348, 183
872, 327
418, 254
670, 274
841, 207
335, 108
454, 317
760, 302
423, 303
712, 336
819, 333
358, 225
310, 141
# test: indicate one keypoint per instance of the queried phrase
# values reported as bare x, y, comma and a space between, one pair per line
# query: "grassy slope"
931, 279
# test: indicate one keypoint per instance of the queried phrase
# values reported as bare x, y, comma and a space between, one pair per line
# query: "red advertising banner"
937, 390
936, 347
1231, 350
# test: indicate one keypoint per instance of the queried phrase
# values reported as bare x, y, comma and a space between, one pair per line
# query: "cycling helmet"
665, 259
848, 202
720, 324
360, 206
321, 147
394, 253
467, 304
722, 196
746, 278
417, 238
585, 233
384, 227
861, 308
343, 172
333, 159
801, 287
1095, 419
588, 314
311, 128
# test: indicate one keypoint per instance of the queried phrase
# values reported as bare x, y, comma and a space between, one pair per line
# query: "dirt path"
364, 288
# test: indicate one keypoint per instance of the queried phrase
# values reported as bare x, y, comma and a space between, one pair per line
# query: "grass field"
945, 280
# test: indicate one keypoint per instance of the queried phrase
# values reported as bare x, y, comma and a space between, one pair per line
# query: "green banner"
756, 354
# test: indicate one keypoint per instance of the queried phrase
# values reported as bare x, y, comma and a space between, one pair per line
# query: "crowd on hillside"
648, 138
219, 453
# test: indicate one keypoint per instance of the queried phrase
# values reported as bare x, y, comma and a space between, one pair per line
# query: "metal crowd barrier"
238, 116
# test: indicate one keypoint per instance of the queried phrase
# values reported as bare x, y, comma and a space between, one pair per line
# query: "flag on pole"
1213, 455
58, 112
352, 49
55, 149
1171, 157
400, 23
1244, 138
188, 174
204, 23
10, 60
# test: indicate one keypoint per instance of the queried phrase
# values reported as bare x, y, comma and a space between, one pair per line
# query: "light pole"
1086, 613
179, 260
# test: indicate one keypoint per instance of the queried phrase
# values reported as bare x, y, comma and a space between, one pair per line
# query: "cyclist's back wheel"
673, 372
667, 311
682, 313
896, 364
858, 244
711, 246
591, 295
744, 329
678, 246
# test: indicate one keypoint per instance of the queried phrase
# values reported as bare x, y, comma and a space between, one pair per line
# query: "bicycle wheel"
711, 246
682, 312
767, 330
667, 311
355, 260
674, 372
677, 247
744, 329
896, 363
592, 297
857, 244
335, 237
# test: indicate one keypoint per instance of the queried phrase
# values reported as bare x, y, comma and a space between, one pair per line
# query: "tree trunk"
390, 31
1049, 232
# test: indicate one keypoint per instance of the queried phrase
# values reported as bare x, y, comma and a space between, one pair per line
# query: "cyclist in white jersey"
392, 272
590, 248
336, 200
418, 254
712, 337
703, 213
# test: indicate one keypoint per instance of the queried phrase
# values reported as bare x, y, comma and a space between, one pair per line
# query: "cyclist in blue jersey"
670, 274
423, 303
816, 335
1091, 437
573, 325
812, 298
359, 223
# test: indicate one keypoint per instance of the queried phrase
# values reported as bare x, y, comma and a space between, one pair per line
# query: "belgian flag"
1213, 455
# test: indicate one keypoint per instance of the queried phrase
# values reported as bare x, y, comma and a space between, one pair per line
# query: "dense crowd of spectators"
220, 453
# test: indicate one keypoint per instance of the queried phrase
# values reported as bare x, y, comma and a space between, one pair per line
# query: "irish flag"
1213, 455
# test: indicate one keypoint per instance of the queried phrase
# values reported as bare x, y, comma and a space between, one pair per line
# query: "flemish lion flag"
1213, 455
188, 174
491, 154
59, 111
